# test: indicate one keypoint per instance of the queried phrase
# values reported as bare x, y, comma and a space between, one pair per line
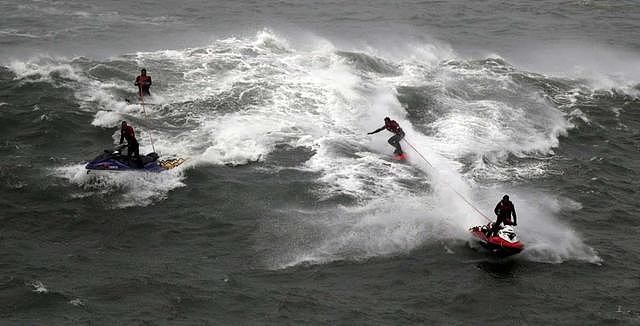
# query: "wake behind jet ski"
501, 241
117, 160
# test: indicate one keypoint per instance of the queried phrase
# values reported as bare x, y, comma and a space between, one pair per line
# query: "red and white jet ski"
505, 243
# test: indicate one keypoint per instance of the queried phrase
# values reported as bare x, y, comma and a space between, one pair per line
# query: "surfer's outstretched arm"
377, 130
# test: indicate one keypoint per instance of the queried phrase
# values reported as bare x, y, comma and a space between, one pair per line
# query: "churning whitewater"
287, 208
484, 124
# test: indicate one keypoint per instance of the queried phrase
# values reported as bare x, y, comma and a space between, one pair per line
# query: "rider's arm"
515, 220
137, 83
497, 209
121, 136
377, 130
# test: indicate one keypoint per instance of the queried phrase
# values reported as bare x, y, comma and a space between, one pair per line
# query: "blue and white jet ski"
116, 160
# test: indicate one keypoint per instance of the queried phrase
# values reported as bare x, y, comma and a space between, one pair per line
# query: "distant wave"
16, 33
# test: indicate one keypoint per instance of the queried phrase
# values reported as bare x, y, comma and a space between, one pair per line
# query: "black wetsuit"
503, 211
394, 141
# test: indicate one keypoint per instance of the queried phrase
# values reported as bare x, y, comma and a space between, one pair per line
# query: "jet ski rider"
126, 132
394, 127
503, 211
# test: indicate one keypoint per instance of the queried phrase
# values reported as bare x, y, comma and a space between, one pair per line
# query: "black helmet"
505, 198
143, 70
387, 118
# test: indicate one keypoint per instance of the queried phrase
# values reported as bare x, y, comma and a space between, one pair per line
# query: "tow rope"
449, 185
146, 117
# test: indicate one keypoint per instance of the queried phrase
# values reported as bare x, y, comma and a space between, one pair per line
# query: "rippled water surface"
286, 211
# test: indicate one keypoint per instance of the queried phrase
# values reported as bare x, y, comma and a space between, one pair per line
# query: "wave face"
478, 127
279, 162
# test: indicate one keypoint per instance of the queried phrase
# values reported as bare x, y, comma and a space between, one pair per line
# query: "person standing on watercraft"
504, 210
394, 141
144, 83
126, 132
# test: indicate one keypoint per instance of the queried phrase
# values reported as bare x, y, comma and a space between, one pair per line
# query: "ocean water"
286, 212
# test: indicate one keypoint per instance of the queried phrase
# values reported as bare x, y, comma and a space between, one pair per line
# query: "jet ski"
505, 243
117, 160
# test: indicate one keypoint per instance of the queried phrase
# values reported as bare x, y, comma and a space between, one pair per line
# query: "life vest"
128, 131
143, 80
129, 134
505, 212
393, 126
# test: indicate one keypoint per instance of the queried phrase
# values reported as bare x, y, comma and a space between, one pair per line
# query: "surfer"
126, 132
144, 83
394, 141
504, 210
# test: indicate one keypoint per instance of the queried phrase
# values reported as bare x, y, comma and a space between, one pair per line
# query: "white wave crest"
122, 189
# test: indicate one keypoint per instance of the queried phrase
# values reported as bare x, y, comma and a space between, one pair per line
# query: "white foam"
545, 237
314, 99
76, 302
44, 67
379, 228
17, 33
577, 113
126, 188
482, 128
38, 287
283, 95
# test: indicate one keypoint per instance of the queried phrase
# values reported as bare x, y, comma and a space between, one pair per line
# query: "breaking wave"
485, 126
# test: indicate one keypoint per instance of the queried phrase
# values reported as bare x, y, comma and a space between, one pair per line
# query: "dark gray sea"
286, 212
